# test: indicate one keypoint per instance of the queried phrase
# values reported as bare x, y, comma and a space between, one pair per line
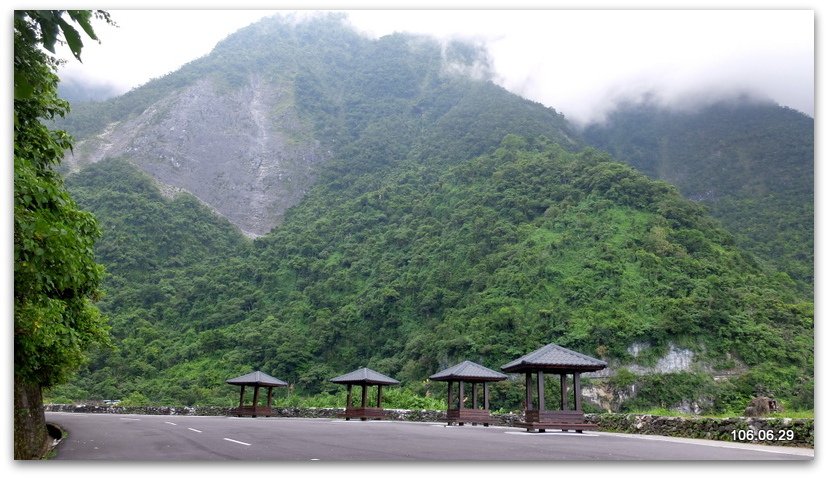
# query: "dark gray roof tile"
468, 371
553, 356
365, 376
257, 378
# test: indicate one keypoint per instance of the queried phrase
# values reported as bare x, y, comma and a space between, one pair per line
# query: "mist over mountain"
77, 90
305, 200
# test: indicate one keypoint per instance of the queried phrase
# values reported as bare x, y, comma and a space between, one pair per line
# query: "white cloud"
582, 61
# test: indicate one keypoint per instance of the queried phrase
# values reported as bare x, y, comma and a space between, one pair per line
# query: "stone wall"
289, 412
767, 431
784, 431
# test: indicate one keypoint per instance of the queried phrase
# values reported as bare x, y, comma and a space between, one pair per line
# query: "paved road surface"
169, 437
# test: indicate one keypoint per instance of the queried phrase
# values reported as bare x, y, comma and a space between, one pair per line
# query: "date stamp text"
762, 435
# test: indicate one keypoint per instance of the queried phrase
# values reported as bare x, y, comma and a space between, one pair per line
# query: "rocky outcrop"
242, 151
761, 406
676, 359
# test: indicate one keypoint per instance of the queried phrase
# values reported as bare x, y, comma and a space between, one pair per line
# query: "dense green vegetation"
485, 261
455, 221
55, 275
751, 163
56, 278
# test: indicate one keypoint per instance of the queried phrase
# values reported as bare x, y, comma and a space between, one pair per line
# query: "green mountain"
750, 162
246, 127
446, 219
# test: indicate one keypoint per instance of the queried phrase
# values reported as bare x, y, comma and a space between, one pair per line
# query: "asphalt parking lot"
196, 438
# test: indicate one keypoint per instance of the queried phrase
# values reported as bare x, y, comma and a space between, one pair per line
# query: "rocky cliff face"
242, 150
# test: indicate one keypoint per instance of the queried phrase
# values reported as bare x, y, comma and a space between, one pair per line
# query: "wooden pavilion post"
348, 401
528, 391
564, 393
379, 396
541, 394
269, 397
450, 397
364, 399
576, 378
461, 394
474, 395
241, 397
255, 399
486, 395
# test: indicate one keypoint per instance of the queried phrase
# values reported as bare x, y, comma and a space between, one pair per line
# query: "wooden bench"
363, 413
563, 420
469, 415
543, 426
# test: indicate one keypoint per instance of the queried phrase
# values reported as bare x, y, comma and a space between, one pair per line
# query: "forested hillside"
452, 220
750, 162
483, 261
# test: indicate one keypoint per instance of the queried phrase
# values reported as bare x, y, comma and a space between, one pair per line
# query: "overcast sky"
577, 61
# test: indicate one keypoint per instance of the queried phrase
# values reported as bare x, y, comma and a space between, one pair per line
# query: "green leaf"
73, 38
83, 17
48, 29
23, 88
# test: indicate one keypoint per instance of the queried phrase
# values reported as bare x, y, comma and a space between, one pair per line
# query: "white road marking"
236, 441
171, 423
314, 459
131, 419
193, 429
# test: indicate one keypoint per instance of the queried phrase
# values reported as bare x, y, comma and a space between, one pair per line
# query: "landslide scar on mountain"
243, 151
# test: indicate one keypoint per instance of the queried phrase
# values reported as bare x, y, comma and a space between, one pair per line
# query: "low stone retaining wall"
91, 408
289, 412
768, 431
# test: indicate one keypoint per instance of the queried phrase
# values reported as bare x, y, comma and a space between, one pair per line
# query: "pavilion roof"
470, 372
554, 357
257, 378
365, 376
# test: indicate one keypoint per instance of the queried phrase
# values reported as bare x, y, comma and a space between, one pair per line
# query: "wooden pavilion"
364, 377
257, 380
468, 372
561, 361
